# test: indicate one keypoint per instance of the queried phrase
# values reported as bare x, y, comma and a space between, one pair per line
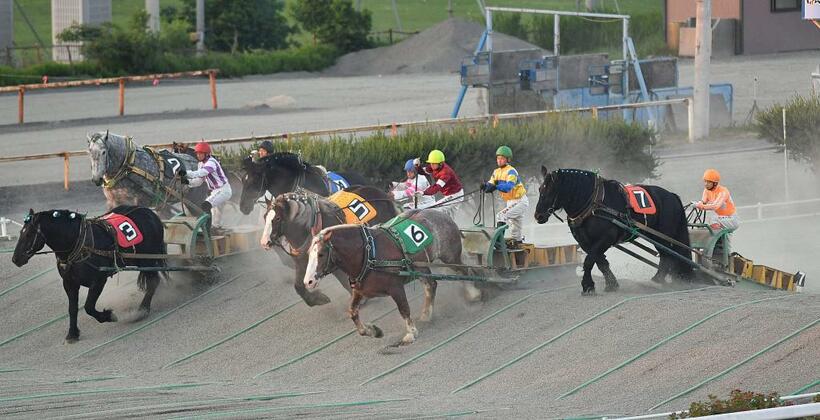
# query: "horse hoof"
142, 313
611, 287
71, 340
589, 292
316, 299
112, 318
376, 332
425, 317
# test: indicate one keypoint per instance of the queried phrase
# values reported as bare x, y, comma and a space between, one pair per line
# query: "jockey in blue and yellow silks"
506, 180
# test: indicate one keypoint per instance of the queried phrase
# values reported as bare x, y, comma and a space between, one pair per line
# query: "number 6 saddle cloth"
127, 233
411, 235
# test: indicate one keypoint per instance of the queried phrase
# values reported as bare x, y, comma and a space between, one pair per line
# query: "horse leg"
611, 282
430, 287
399, 296
91, 303
151, 281
587, 284
664, 266
72, 291
315, 298
353, 311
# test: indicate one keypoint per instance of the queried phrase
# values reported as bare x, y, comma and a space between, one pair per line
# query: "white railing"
760, 206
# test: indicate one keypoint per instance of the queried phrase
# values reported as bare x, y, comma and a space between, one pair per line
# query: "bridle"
552, 208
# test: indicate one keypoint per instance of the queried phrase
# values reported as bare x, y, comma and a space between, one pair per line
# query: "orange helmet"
203, 147
711, 175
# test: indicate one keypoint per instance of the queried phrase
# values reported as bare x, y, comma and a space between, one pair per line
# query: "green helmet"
436, 156
504, 151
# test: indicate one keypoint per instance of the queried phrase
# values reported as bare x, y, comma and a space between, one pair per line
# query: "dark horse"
83, 245
296, 216
285, 172
591, 202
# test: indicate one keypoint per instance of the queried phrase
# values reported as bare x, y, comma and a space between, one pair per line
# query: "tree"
334, 22
241, 25
130, 49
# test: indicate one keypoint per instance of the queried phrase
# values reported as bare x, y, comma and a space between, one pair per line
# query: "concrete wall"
766, 32
6, 29
681, 10
65, 13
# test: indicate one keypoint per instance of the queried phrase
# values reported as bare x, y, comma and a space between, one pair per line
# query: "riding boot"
206, 209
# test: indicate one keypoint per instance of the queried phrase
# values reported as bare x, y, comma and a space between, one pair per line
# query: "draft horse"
369, 256
296, 216
591, 202
283, 172
83, 245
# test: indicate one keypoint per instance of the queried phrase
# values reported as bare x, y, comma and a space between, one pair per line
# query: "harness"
596, 201
80, 252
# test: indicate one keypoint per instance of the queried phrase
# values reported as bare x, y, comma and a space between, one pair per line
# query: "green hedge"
802, 128
306, 58
618, 149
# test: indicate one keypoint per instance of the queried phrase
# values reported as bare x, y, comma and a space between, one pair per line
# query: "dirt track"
37, 369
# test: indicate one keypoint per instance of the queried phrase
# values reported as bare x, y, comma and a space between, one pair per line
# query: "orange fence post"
122, 97
65, 171
212, 81
21, 93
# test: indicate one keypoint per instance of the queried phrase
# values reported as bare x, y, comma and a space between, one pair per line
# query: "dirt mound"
438, 49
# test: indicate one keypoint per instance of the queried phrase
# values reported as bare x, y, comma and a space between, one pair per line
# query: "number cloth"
414, 236
128, 234
355, 208
640, 200
336, 182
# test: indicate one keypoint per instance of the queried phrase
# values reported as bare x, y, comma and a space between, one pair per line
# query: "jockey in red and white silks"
210, 172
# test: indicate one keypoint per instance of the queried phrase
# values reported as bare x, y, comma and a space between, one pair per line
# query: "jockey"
210, 172
265, 148
506, 180
718, 199
405, 191
446, 182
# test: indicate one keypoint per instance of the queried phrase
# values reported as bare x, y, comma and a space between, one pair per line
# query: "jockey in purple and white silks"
210, 172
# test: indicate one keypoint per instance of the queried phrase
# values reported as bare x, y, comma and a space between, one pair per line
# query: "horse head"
98, 152
37, 227
253, 184
547, 196
320, 254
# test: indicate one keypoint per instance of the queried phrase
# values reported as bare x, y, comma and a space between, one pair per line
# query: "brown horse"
296, 216
361, 252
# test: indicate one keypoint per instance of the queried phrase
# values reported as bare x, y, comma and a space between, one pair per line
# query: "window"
785, 5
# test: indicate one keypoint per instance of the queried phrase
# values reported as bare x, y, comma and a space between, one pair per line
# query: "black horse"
286, 172
591, 202
82, 246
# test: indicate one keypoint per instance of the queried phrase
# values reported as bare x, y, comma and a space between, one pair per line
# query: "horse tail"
682, 235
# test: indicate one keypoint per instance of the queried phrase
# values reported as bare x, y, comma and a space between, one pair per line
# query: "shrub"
738, 401
617, 148
802, 128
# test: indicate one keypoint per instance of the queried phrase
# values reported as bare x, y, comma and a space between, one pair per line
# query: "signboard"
811, 9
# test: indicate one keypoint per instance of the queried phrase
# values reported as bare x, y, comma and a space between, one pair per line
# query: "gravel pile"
438, 49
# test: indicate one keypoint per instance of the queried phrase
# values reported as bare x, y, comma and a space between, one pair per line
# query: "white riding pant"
728, 222
218, 198
513, 216
453, 203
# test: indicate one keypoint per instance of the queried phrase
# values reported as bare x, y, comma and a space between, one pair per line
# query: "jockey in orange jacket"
718, 201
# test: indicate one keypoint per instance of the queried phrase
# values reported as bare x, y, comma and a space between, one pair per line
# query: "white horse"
130, 174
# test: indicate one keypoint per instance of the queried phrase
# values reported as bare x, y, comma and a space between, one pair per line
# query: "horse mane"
288, 160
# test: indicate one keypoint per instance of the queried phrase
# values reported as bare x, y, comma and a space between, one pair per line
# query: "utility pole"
200, 26
450, 8
703, 56
396, 13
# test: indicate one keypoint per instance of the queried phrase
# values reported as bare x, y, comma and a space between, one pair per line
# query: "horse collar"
595, 201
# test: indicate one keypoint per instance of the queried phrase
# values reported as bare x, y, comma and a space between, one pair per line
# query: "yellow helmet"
436, 156
711, 175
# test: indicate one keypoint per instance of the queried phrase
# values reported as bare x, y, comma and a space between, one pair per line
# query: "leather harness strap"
596, 201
